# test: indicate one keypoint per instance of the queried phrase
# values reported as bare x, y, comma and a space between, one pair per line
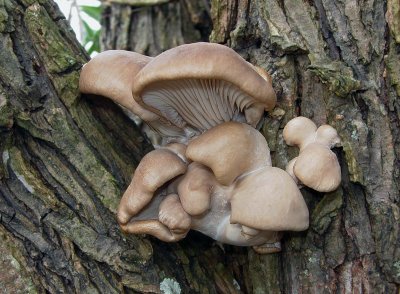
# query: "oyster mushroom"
234, 197
183, 91
316, 166
249, 200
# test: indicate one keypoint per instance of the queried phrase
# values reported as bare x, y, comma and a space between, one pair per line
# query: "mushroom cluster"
212, 171
183, 91
222, 184
316, 166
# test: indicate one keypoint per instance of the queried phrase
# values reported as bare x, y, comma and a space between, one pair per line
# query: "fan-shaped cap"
207, 61
230, 150
318, 168
111, 74
269, 200
203, 85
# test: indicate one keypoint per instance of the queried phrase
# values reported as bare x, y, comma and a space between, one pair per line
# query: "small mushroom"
147, 179
316, 166
172, 215
299, 132
195, 189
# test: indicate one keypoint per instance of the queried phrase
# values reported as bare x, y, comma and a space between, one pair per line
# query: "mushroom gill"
199, 103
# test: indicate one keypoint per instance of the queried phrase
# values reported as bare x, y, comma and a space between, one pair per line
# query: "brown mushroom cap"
202, 85
147, 179
299, 132
111, 74
269, 200
230, 150
318, 168
207, 61
195, 189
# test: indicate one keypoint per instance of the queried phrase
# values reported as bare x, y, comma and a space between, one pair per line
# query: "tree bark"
336, 62
66, 159
152, 29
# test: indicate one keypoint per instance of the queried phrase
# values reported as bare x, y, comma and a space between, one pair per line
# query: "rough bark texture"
335, 62
66, 159
152, 29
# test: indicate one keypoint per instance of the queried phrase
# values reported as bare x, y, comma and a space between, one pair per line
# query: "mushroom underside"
201, 104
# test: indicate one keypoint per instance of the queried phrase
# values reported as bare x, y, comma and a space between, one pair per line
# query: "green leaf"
88, 33
92, 11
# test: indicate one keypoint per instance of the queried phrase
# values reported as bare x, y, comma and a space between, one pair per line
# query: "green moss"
30, 179
392, 62
218, 34
6, 113
15, 275
264, 272
10, 68
393, 18
46, 36
356, 174
338, 76
3, 16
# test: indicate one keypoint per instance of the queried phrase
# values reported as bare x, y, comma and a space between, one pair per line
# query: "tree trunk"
66, 159
153, 29
335, 62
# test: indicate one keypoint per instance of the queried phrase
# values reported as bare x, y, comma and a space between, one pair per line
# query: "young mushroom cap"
172, 214
230, 150
318, 168
327, 136
147, 179
111, 74
269, 200
299, 132
195, 189
202, 85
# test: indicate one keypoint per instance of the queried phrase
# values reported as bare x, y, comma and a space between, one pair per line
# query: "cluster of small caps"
222, 184
316, 166
183, 91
